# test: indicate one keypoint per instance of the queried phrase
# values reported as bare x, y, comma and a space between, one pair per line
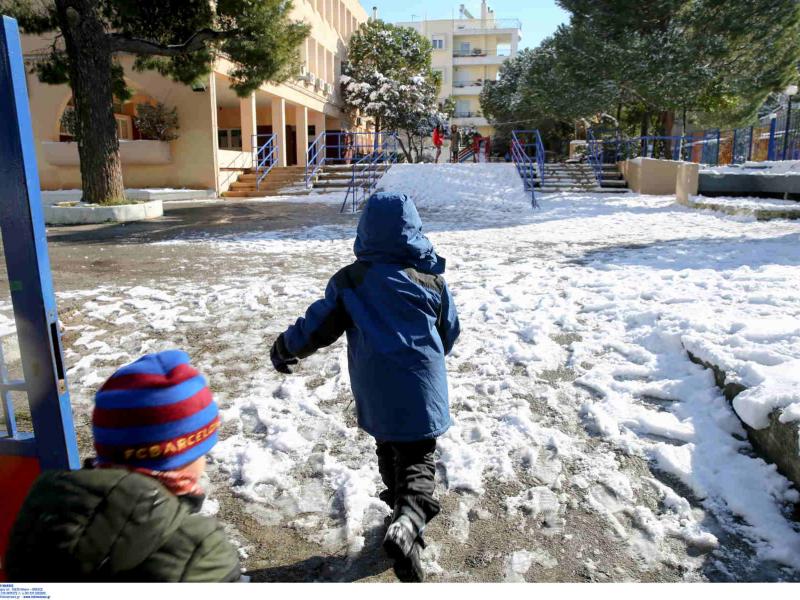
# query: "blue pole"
28, 266
788, 129
773, 126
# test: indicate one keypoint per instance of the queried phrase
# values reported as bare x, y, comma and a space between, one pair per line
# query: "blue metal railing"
265, 156
594, 154
527, 151
366, 171
776, 137
465, 154
540, 156
346, 147
316, 156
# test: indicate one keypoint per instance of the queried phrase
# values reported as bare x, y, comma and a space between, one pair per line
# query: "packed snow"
583, 310
746, 205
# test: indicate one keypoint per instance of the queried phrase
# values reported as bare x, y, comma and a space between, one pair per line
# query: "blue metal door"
51, 442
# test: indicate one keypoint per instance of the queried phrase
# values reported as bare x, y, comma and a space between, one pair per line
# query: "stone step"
271, 177
330, 168
614, 183
342, 185
595, 190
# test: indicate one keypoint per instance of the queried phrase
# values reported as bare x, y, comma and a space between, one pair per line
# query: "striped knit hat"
156, 413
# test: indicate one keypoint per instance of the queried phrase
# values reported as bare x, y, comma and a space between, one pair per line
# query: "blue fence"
776, 137
342, 148
527, 151
368, 170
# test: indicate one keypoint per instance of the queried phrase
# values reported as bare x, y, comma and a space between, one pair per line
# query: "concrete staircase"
579, 177
336, 178
290, 181
279, 178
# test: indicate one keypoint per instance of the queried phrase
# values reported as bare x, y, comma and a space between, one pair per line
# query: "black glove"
281, 357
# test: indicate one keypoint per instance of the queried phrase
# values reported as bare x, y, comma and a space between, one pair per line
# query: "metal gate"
37, 431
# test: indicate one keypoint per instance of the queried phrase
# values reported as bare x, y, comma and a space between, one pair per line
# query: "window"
438, 42
124, 127
229, 139
466, 49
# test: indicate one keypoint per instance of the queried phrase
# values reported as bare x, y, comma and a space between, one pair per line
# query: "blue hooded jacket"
400, 321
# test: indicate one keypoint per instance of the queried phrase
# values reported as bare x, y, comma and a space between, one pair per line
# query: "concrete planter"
131, 152
87, 214
52, 197
651, 176
687, 183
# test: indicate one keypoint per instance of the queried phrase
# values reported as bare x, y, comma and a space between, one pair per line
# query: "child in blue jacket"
401, 322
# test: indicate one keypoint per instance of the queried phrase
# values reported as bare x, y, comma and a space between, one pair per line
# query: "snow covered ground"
586, 444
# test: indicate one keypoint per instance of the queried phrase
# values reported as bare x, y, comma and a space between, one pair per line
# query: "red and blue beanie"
156, 413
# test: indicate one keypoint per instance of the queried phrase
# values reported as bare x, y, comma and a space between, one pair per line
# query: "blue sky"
539, 17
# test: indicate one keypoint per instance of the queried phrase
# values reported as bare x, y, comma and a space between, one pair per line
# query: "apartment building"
468, 51
218, 130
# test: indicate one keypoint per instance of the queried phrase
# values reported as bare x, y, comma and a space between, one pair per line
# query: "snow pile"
746, 205
779, 168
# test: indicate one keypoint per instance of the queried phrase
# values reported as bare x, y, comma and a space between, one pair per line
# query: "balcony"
487, 27
478, 56
469, 119
468, 88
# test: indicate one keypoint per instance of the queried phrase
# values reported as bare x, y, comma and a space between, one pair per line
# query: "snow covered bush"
388, 78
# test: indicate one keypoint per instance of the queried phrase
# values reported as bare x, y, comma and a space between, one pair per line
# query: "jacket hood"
390, 231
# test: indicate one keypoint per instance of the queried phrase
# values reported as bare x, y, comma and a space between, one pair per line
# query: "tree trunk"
90, 66
404, 149
666, 125
645, 132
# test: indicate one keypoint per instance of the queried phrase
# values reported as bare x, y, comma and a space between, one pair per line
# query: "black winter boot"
400, 537
404, 544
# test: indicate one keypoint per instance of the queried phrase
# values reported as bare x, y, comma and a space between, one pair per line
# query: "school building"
468, 51
216, 127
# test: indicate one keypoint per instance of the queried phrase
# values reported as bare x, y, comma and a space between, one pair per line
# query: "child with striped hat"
131, 515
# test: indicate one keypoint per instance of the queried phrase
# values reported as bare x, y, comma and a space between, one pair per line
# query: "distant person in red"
476, 146
438, 142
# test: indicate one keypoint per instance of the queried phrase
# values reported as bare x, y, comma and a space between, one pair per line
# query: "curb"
778, 443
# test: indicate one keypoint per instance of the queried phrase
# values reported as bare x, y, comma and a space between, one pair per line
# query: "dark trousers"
408, 471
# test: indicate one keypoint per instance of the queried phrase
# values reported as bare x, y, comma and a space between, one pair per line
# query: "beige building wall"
198, 159
468, 51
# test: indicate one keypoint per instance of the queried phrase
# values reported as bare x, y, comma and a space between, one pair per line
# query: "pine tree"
653, 62
178, 38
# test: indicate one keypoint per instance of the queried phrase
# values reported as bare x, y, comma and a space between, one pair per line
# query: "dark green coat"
113, 525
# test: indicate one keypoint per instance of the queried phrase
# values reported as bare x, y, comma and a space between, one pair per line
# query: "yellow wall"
192, 163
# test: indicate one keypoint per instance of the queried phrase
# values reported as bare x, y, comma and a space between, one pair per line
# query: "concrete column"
212, 96
279, 128
247, 113
301, 122
317, 119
